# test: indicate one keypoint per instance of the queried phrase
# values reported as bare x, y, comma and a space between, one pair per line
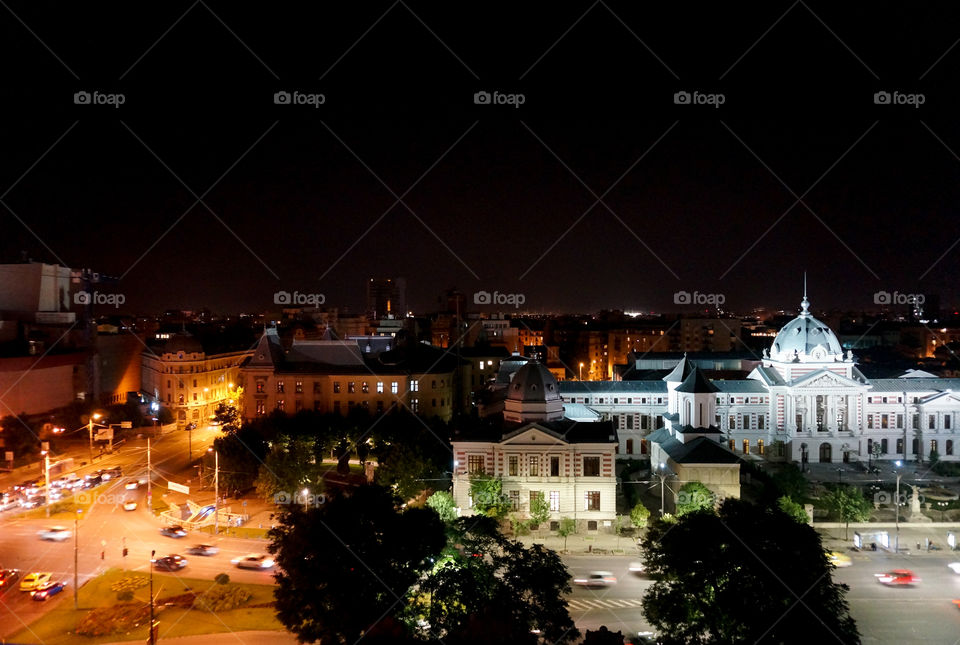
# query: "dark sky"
705, 199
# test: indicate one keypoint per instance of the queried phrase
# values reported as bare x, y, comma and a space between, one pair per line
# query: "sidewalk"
579, 544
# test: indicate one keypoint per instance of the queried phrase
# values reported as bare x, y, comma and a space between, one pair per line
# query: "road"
920, 614
107, 529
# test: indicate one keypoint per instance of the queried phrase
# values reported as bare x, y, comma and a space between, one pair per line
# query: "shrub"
130, 583
222, 579
125, 596
222, 598
119, 618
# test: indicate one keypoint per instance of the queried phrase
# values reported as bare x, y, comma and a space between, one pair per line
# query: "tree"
793, 509
539, 509
487, 494
346, 566
443, 503
165, 416
850, 504
241, 453
933, 457
408, 467
694, 496
567, 528
790, 481
228, 417
19, 437
639, 515
758, 577
500, 597
289, 467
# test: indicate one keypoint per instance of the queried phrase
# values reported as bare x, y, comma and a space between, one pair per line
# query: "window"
869, 422
732, 445
433, 385
280, 404
279, 387
194, 382
883, 446
899, 446
554, 500
336, 387
414, 405
513, 465
761, 421
946, 421
534, 466
475, 464
591, 500
379, 407
298, 405
298, 387
884, 421
916, 422
932, 421
394, 388
591, 525
351, 387
733, 422
316, 406
899, 420
535, 494
379, 387
591, 466
194, 397
949, 447
365, 388
316, 387
336, 407
515, 500
414, 385
168, 384
760, 446
261, 408
554, 525
629, 422
933, 445
629, 446
746, 446
554, 466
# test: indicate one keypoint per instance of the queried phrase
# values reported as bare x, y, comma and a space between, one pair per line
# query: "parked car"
7, 578
34, 580
253, 561
171, 562
55, 533
46, 590
203, 549
897, 578
597, 579
175, 531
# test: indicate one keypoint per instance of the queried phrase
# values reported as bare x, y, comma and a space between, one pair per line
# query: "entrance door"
826, 453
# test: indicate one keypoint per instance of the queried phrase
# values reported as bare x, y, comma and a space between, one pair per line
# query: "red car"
897, 578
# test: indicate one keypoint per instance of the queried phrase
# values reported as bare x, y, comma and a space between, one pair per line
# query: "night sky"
503, 198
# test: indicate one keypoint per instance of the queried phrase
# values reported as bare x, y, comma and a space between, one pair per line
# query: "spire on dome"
805, 304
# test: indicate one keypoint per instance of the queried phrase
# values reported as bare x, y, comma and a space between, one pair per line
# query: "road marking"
584, 604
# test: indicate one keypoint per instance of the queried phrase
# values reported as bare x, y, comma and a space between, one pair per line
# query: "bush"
222, 598
119, 618
947, 468
130, 583
222, 579
124, 596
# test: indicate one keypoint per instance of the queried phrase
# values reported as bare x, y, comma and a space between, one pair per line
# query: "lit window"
394, 388
379, 387
591, 500
554, 500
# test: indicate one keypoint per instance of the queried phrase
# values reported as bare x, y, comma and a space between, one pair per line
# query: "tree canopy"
694, 496
848, 503
743, 574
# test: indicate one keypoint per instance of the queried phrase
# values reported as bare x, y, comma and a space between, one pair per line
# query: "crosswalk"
586, 604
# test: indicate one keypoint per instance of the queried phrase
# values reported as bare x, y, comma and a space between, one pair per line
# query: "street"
105, 532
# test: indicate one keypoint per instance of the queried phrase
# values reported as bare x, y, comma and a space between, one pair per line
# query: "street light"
93, 417
897, 502
152, 554
581, 371
662, 477
216, 490
76, 543
305, 491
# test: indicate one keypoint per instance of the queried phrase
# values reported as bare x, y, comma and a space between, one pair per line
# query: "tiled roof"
612, 387
915, 384
749, 386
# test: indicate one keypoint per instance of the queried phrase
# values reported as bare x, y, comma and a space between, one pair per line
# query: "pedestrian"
102, 555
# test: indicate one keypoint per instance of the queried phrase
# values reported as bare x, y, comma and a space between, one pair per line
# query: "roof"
331, 352
915, 384
680, 373
749, 386
701, 450
565, 429
533, 382
612, 387
696, 383
803, 335
269, 352
579, 412
769, 375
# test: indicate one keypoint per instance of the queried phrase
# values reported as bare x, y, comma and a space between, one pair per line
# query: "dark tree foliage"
603, 636
412, 454
19, 437
743, 574
346, 566
241, 454
496, 591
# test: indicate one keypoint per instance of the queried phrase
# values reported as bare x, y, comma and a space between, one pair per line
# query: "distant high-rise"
386, 298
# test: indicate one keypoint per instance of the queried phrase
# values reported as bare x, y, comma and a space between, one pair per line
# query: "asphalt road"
106, 530
922, 613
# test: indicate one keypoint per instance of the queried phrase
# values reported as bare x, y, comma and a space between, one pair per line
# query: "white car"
636, 568
55, 533
597, 579
253, 561
130, 505
955, 566
132, 485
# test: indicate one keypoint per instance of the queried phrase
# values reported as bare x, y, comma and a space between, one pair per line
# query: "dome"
533, 382
806, 339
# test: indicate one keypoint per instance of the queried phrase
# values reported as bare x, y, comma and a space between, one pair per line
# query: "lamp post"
46, 479
662, 478
897, 502
581, 371
306, 491
76, 544
152, 554
216, 490
93, 417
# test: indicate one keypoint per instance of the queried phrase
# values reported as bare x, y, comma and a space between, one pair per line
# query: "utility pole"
152, 554
76, 543
46, 478
149, 484
216, 492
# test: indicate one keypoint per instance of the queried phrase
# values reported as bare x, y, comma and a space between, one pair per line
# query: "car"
175, 531
33, 502
7, 578
253, 561
636, 568
955, 566
8, 502
897, 578
130, 505
839, 559
203, 549
597, 579
171, 562
55, 533
132, 485
34, 580
46, 590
